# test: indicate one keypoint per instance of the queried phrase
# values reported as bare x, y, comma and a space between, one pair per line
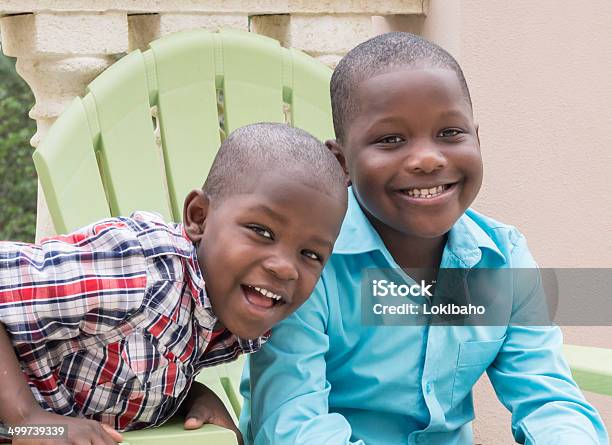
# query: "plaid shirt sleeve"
86, 282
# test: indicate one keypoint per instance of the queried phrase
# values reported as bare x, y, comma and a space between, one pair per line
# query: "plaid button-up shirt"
112, 322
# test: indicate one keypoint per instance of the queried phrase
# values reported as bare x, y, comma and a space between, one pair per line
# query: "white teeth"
267, 293
426, 193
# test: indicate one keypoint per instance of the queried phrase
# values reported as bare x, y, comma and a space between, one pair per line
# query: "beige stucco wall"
539, 73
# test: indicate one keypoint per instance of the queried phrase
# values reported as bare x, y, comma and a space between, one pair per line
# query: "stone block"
17, 34
65, 33
169, 23
248, 7
331, 60
328, 34
275, 26
143, 28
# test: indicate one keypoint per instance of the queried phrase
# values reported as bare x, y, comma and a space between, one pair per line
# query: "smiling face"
412, 152
261, 253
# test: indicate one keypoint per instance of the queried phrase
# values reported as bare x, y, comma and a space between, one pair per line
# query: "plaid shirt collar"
203, 310
182, 246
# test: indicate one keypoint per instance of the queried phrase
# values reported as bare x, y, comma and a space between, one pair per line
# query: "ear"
338, 151
195, 211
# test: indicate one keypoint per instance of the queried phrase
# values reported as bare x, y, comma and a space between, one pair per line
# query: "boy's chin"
429, 229
429, 232
247, 334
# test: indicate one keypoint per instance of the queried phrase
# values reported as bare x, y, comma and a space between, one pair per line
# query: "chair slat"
187, 108
68, 172
231, 374
252, 87
130, 159
310, 101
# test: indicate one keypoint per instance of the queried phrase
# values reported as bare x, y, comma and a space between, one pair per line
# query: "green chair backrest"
149, 126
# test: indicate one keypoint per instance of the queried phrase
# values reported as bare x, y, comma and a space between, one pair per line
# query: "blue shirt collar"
357, 234
465, 244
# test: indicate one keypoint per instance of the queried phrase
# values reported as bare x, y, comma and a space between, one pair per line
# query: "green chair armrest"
173, 433
591, 367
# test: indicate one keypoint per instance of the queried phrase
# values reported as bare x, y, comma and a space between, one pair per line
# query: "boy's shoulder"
497, 230
505, 238
146, 229
158, 237
138, 222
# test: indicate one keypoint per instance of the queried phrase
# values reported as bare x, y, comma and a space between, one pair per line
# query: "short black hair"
376, 56
254, 150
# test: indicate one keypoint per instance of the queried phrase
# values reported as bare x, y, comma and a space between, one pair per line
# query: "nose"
282, 266
425, 158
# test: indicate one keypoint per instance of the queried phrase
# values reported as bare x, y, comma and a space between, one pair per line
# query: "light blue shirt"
326, 378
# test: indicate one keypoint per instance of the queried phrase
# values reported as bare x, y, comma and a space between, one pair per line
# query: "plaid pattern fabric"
112, 322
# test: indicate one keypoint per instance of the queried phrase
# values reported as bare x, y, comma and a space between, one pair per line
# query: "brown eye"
450, 132
389, 140
312, 255
262, 231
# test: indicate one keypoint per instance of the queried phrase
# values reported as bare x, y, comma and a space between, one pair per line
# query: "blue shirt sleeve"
288, 398
532, 379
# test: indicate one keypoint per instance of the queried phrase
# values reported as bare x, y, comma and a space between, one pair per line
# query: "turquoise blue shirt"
326, 378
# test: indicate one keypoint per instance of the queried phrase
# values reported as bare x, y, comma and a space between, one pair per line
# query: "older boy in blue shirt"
406, 137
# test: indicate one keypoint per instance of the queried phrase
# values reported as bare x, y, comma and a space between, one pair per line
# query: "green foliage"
17, 174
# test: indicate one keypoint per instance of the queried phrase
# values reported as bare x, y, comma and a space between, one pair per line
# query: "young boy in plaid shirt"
110, 325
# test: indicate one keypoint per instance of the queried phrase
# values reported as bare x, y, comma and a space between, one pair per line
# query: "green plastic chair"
591, 368
146, 132
173, 431
230, 374
100, 158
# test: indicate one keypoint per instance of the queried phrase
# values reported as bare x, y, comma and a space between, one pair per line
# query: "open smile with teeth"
267, 293
426, 193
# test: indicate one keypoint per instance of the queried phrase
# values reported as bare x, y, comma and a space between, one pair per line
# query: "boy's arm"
203, 406
19, 408
288, 401
16, 399
532, 379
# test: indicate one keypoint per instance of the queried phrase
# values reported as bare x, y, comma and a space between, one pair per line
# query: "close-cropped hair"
255, 150
378, 55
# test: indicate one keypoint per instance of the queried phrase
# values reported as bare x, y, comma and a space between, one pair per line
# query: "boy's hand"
203, 406
79, 431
